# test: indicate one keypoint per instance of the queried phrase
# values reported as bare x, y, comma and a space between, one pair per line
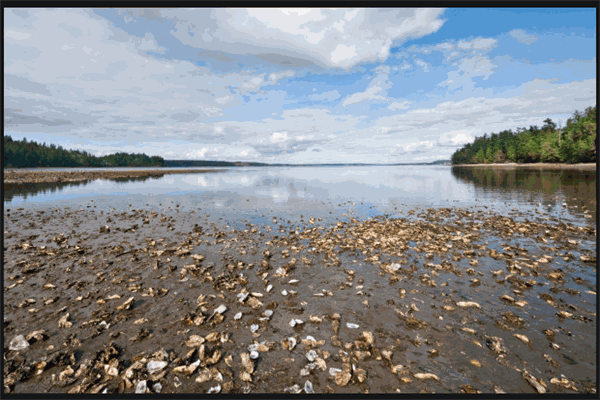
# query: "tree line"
574, 143
23, 153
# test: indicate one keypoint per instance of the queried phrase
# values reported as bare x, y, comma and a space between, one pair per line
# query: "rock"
498, 390
18, 343
475, 363
352, 326
254, 328
238, 316
254, 354
157, 387
311, 355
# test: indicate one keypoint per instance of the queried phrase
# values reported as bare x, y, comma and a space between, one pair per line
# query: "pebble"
311, 355
269, 288
352, 326
295, 322
254, 328
237, 316
254, 354
284, 292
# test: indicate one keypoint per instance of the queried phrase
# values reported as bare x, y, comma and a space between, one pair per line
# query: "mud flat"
19, 176
584, 166
446, 300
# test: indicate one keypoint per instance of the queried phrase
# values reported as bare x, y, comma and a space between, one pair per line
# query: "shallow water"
236, 198
378, 190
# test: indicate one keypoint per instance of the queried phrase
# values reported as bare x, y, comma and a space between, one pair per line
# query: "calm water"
321, 190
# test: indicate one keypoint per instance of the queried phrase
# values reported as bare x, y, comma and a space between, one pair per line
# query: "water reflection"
24, 190
549, 187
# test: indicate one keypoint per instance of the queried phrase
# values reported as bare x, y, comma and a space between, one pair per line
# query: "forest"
30, 154
574, 143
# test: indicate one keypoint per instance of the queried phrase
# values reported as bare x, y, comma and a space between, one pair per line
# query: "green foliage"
575, 143
21, 153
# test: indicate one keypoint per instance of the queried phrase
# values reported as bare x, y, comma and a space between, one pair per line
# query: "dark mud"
444, 300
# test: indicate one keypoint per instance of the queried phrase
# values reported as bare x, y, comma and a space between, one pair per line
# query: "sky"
391, 85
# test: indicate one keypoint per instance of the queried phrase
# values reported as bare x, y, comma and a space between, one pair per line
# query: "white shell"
141, 387
18, 343
221, 309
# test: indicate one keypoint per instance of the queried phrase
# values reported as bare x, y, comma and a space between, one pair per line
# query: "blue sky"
292, 85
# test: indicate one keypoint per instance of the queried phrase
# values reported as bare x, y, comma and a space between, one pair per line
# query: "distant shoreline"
15, 176
586, 166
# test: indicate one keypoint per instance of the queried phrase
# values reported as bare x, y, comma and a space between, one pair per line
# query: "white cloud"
456, 138
276, 76
15, 34
330, 37
468, 69
399, 106
417, 147
278, 137
377, 89
522, 37
328, 96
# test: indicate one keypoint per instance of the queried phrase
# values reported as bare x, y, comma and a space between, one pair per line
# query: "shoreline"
123, 302
532, 165
16, 176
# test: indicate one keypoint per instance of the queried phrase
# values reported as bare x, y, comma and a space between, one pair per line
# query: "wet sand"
584, 166
444, 300
13, 176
